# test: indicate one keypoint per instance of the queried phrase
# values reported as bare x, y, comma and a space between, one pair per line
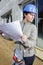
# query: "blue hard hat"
30, 8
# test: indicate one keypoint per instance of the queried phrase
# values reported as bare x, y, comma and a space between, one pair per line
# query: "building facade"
10, 11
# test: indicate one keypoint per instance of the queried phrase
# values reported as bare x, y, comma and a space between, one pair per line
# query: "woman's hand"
24, 38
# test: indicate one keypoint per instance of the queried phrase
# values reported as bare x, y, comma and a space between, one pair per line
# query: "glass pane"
40, 33
39, 23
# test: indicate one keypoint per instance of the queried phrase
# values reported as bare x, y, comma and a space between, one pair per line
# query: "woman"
29, 34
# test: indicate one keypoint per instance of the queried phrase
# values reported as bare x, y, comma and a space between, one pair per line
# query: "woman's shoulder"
33, 26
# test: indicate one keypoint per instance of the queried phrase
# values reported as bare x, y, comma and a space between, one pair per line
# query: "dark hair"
25, 12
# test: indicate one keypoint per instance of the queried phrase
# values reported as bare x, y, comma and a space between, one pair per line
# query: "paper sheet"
12, 30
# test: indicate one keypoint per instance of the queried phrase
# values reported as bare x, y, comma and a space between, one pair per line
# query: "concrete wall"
6, 5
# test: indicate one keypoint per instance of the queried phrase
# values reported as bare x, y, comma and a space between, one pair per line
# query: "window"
7, 17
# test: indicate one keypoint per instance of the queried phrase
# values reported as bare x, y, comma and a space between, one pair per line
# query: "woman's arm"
30, 41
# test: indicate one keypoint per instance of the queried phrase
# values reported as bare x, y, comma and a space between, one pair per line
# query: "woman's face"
30, 17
